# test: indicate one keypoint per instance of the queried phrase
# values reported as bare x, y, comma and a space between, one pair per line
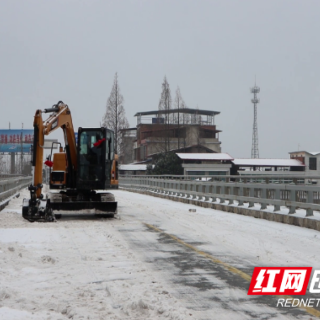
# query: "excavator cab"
95, 156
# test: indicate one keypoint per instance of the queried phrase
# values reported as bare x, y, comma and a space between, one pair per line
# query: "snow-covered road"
156, 260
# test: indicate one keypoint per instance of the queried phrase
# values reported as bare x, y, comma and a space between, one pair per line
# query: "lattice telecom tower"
255, 101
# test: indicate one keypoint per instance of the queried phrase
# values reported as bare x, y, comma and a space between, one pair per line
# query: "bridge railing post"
309, 211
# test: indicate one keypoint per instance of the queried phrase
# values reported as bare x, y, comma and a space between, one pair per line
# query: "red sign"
279, 281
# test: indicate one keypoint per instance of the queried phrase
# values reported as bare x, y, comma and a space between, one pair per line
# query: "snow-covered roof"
132, 167
268, 162
204, 156
314, 153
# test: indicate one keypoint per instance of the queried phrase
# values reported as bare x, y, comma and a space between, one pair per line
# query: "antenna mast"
255, 101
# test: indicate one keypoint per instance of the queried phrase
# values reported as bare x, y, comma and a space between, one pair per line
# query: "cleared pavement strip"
243, 275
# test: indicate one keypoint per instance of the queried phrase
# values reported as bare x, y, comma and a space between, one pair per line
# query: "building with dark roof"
206, 163
224, 164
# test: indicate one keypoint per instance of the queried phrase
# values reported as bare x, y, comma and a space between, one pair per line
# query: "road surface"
156, 260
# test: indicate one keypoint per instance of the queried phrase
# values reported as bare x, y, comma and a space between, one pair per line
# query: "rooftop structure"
186, 116
184, 110
180, 130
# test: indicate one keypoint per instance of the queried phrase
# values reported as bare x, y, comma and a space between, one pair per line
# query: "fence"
8, 176
290, 191
10, 186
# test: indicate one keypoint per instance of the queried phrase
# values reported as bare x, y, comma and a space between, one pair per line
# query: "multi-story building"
179, 130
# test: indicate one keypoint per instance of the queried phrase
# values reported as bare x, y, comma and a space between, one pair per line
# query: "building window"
312, 163
197, 173
217, 173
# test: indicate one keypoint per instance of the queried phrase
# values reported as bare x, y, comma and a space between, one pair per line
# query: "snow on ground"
79, 269
86, 268
235, 235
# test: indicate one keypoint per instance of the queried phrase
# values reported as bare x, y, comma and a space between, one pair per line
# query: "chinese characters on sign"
16, 140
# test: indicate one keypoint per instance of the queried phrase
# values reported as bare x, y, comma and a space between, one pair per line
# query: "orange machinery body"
60, 169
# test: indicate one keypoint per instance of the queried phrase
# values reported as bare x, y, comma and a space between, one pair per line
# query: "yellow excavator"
80, 174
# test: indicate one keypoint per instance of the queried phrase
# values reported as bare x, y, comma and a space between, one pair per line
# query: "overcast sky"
70, 50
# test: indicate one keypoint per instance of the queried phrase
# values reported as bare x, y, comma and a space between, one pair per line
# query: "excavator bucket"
85, 207
58, 203
98, 203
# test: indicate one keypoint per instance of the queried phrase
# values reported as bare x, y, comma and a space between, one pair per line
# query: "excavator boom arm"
60, 118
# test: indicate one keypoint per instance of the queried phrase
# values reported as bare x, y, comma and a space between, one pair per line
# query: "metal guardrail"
7, 176
11, 186
290, 191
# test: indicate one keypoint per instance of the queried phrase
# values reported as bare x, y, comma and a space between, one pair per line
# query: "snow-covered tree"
115, 116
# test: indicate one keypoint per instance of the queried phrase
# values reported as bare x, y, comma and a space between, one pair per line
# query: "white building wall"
309, 172
189, 167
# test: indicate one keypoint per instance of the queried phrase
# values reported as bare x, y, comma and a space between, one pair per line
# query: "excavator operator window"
91, 155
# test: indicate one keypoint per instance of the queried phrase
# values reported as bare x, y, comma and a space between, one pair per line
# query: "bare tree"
182, 118
164, 106
165, 98
115, 116
198, 117
179, 104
